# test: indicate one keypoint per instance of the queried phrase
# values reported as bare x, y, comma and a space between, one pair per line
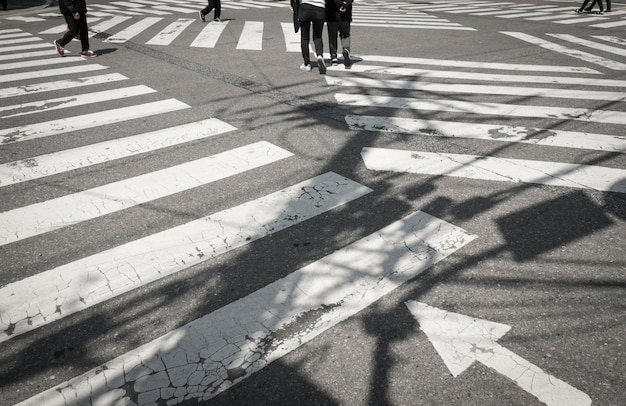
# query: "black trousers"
343, 29
213, 4
307, 15
76, 27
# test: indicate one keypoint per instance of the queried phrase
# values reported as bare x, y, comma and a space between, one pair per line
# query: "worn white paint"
171, 32
492, 109
133, 30
48, 296
251, 37
70, 159
35, 219
217, 351
69, 124
491, 132
496, 169
460, 340
207, 38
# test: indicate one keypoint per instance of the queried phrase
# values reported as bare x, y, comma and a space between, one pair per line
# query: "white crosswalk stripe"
342, 283
573, 175
121, 22
557, 14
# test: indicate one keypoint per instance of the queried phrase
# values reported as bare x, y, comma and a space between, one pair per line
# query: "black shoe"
201, 15
217, 20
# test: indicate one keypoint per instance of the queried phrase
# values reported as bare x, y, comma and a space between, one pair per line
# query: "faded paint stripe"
198, 359
51, 295
496, 169
491, 132
82, 157
69, 124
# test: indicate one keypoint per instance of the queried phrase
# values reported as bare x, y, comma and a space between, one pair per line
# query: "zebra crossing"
114, 23
229, 344
220, 349
558, 14
538, 83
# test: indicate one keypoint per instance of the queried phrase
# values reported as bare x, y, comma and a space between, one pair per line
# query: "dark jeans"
343, 29
308, 14
213, 4
77, 27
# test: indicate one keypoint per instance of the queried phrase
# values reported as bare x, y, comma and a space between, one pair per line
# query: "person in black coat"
4, 3
75, 14
338, 18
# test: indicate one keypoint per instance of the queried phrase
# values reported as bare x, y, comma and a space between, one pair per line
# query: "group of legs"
315, 16
584, 8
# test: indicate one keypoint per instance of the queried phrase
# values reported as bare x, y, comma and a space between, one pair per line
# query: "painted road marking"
82, 157
461, 340
511, 110
73, 101
39, 62
491, 132
251, 37
496, 169
590, 44
67, 289
476, 65
574, 53
69, 124
207, 38
135, 29
59, 72
60, 84
54, 214
169, 34
433, 87
212, 353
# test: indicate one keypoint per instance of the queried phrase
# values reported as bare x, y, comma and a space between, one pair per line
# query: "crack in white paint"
460, 340
228, 345
97, 278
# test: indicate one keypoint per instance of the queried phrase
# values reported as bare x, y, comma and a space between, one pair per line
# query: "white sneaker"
320, 65
306, 68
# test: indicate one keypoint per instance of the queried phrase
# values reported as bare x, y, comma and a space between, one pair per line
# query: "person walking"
75, 13
608, 6
582, 7
338, 18
312, 12
213, 4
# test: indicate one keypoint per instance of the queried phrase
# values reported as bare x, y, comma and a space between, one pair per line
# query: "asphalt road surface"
190, 218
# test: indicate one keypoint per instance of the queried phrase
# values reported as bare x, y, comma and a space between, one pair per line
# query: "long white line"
24, 47
171, 32
39, 62
251, 37
70, 159
199, 359
13, 77
574, 53
207, 38
486, 89
496, 169
477, 65
130, 32
73, 101
590, 44
107, 24
492, 132
69, 124
60, 84
54, 214
490, 77
33, 302
512, 110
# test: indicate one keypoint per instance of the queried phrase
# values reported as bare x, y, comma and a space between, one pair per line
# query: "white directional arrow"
460, 340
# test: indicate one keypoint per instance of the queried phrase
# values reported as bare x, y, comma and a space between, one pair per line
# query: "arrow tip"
456, 337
